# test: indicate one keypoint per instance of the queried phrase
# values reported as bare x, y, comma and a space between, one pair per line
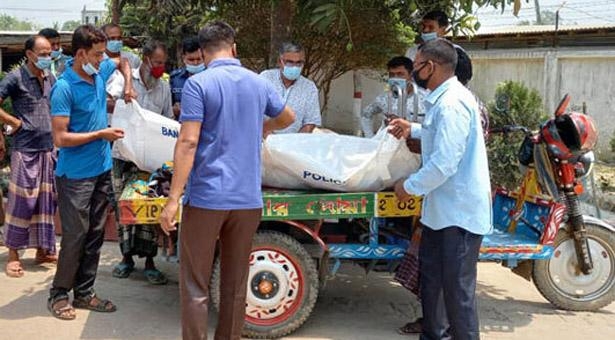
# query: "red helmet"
569, 134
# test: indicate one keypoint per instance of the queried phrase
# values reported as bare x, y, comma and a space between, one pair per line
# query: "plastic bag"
149, 138
336, 162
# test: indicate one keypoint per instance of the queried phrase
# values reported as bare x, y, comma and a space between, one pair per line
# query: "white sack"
336, 162
149, 138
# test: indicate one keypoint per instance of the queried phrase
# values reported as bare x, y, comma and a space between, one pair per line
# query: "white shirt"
156, 99
414, 102
301, 97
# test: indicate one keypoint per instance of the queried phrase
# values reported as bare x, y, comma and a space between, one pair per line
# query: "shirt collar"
224, 62
439, 91
32, 75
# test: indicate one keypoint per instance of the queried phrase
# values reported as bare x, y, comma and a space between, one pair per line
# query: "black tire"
301, 308
557, 288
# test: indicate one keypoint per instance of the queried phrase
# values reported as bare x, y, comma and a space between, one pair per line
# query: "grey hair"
441, 51
151, 46
290, 47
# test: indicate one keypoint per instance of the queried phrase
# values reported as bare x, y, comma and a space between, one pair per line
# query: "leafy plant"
514, 103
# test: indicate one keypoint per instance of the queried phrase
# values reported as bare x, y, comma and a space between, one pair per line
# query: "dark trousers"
83, 205
448, 260
198, 234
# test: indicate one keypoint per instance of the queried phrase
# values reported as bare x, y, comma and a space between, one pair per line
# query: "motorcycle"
569, 256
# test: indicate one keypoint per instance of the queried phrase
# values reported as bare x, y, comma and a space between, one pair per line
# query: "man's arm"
63, 138
6, 88
167, 100
283, 120
451, 137
183, 160
312, 117
9, 119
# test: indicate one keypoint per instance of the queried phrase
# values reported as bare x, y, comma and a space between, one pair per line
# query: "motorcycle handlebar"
510, 128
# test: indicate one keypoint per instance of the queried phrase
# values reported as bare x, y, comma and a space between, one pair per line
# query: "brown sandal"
59, 310
94, 303
14, 269
45, 257
412, 327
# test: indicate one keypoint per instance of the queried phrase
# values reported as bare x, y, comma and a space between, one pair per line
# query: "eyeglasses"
288, 62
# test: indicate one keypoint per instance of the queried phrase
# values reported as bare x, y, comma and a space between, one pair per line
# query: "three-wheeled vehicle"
539, 232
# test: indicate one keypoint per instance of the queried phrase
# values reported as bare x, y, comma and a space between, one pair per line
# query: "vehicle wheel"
282, 286
560, 281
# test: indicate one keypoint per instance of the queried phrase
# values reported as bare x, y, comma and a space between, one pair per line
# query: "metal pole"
592, 180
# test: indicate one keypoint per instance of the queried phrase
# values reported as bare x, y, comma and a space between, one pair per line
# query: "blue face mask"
429, 36
89, 69
401, 82
292, 72
56, 54
194, 69
114, 46
43, 63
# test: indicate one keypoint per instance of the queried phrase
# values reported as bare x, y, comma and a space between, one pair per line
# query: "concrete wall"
587, 74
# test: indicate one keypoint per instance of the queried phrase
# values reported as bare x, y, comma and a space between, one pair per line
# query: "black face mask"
420, 82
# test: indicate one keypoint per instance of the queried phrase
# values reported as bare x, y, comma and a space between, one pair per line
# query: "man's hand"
2, 147
111, 134
167, 217
400, 192
266, 133
176, 109
15, 126
130, 94
399, 128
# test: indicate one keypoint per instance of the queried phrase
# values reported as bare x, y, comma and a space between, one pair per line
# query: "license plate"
388, 205
143, 211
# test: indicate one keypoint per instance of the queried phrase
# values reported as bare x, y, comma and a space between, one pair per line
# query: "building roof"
532, 29
539, 36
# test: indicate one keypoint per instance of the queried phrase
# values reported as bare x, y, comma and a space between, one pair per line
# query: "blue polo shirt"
86, 106
230, 102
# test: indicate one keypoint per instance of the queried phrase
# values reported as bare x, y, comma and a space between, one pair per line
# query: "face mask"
292, 72
89, 69
56, 54
429, 36
401, 82
157, 71
194, 69
114, 46
43, 63
420, 82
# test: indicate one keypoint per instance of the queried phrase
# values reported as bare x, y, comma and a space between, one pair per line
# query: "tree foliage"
70, 25
514, 104
11, 23
338, 35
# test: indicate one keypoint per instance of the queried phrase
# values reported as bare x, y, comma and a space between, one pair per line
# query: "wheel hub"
567, 277
265, 285
273, 285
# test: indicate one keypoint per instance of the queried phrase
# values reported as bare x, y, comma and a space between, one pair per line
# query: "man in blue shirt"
217, 158
80, 129
192, 57
454, 181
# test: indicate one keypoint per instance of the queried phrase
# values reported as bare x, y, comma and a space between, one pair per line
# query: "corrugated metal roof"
508, 30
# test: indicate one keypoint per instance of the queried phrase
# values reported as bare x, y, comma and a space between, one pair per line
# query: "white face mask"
89, 69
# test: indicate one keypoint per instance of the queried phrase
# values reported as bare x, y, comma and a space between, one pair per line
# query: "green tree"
514, 104
339, 35
11, 23
70, 25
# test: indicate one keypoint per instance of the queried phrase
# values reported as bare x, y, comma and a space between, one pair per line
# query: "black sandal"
412, 327
61, 312
101, 305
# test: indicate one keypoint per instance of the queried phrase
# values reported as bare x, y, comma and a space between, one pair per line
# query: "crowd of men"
62, 159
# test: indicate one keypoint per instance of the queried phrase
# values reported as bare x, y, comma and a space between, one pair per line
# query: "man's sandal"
62, 311
412, 327
93, 303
